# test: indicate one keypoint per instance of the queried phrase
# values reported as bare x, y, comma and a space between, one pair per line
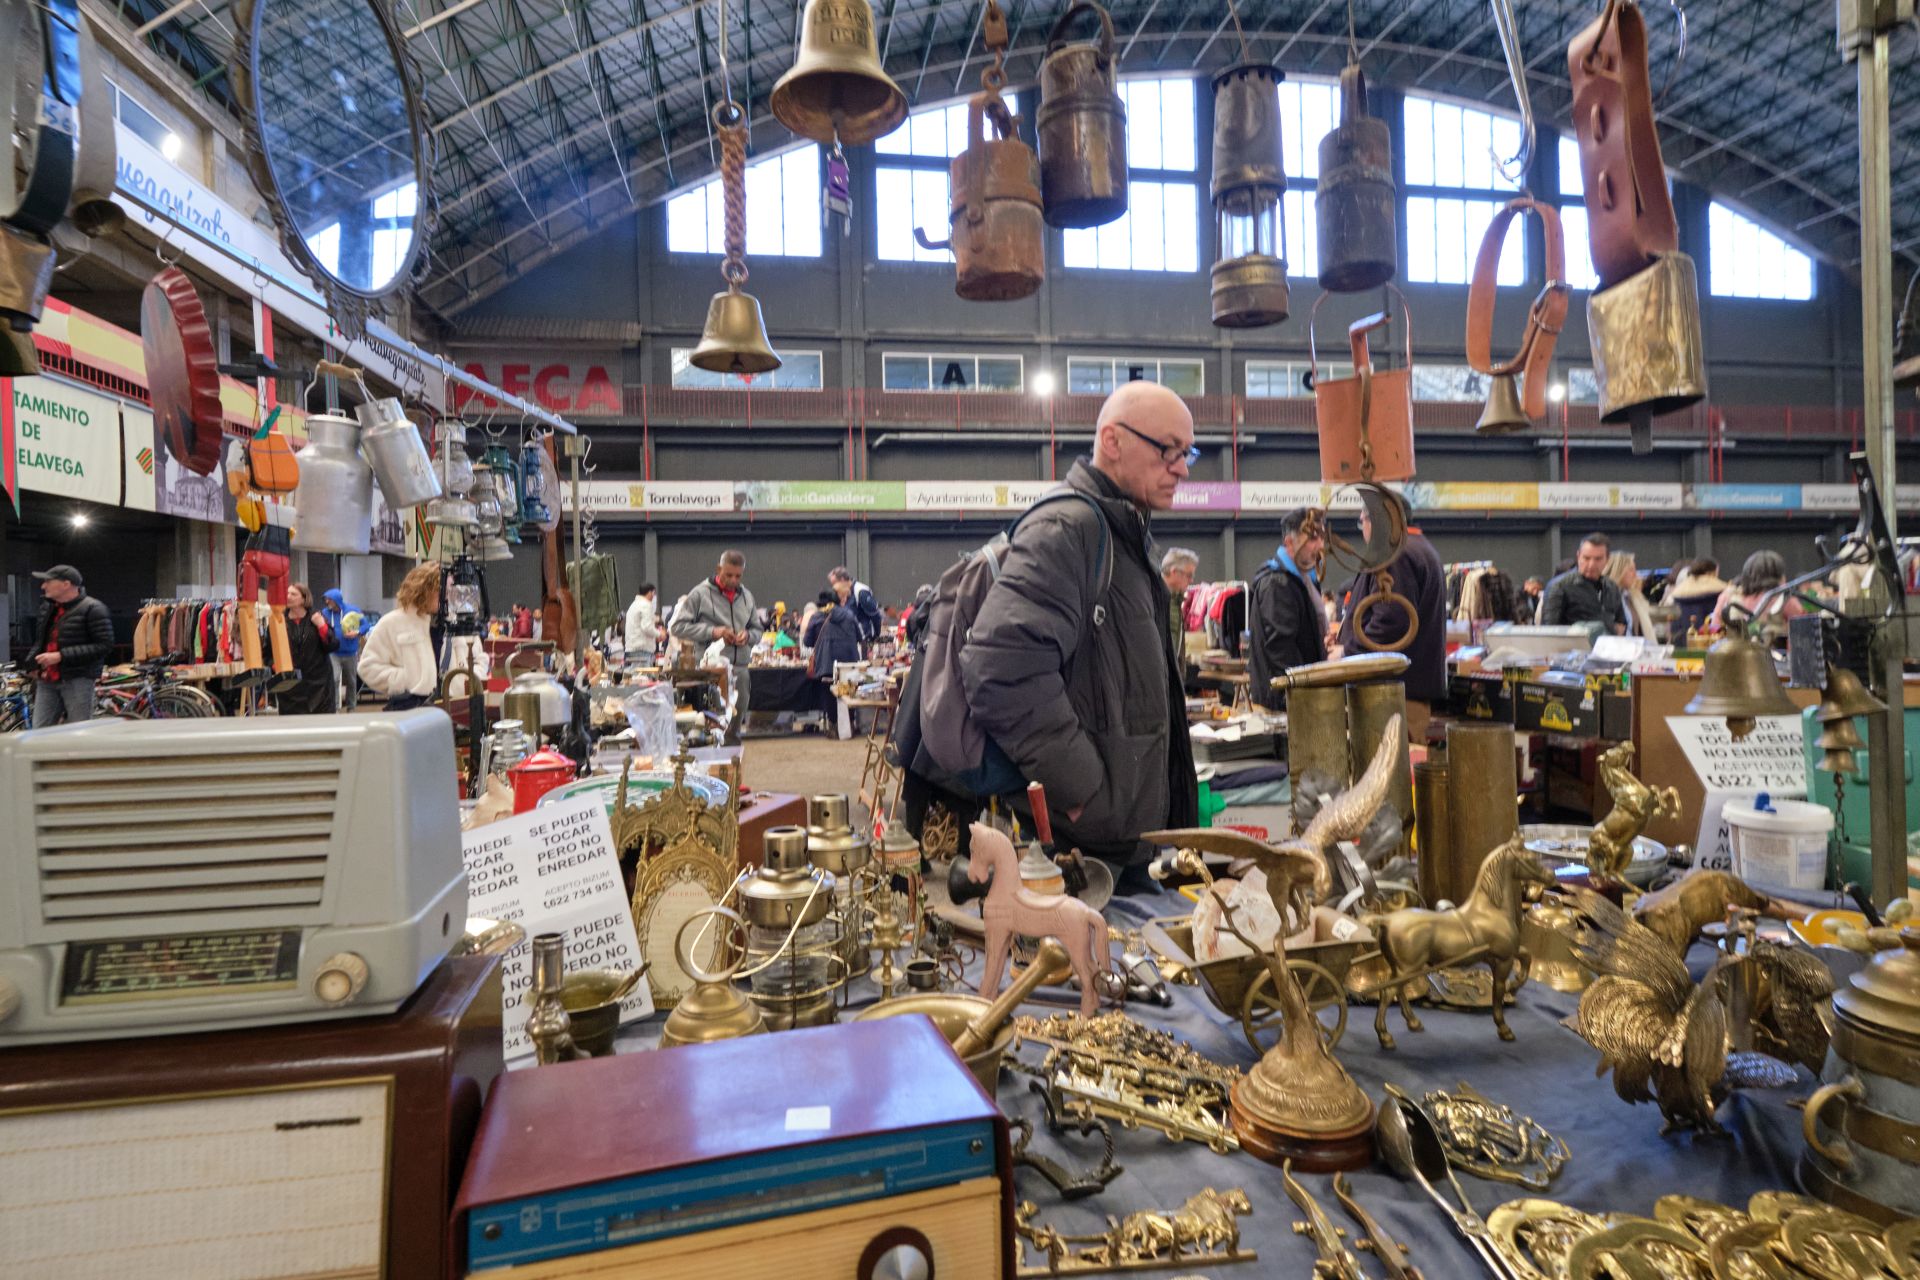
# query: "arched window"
1160, 231
1745, 260
1309, 109
783, 209
1449, 164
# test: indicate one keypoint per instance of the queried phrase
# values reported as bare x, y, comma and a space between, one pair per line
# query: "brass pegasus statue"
1635, 804
1664, 1038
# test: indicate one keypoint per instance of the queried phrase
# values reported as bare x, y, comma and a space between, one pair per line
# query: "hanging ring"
1384, 594
734, 272
728, 114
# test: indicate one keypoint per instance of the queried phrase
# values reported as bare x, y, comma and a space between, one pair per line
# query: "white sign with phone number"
553, 870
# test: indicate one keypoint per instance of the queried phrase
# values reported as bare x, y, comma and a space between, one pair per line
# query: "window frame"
1294, 369
1116, 363
1194, 178
1749, 224
914, 162
1497, 194
752, 384
933, 389
778, 156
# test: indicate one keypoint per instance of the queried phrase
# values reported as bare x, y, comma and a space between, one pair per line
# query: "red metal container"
538, 774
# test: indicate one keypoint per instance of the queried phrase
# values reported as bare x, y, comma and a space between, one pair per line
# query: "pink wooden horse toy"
1012, 908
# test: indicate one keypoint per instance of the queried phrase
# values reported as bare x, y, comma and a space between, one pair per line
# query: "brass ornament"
1111, 1067
683, 853
1375, 1240
1489, 1141
714, 1009
1635, 805
1535, 1237
1639, 1249
1844, 698
837, 90
1336, 1261
1484, 930
1648, 356
1204, 1230
1664, 1039
1706, 1220
1749, 1251
1543, 933
1503, 413
1679, 912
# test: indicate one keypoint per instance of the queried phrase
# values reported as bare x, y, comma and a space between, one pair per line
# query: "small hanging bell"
1846, 697
1839, 760
1741, 684
837, 90
1838, 734
735, 338
1504, 412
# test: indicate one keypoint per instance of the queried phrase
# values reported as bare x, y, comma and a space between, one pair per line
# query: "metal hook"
1679, 54
161, 243
1515, 169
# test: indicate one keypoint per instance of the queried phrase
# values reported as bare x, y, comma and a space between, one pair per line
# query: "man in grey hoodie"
721, 608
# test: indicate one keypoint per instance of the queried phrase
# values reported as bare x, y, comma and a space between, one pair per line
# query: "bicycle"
16, 699
148, 693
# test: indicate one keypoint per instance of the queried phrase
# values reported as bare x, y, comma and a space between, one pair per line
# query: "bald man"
1069, 667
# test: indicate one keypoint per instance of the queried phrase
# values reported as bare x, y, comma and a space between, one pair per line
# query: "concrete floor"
807, 764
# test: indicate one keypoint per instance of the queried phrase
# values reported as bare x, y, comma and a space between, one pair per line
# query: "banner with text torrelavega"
64, 440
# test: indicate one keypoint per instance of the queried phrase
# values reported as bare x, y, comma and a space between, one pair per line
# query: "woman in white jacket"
397, 657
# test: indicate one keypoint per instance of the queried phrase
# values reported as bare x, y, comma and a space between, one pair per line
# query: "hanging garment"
595, 581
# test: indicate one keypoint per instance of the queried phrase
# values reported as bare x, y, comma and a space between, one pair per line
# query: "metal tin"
335, 497
1481, 810
1354, 205
998, 237
1369, 709
1431, 834
1081, 127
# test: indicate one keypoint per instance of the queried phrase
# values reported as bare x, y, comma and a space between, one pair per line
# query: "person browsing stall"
856, 598
721, 608
397, 660
1285, 615
1585, 593
72, 641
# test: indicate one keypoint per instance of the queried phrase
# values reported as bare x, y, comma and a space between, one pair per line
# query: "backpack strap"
1103, 556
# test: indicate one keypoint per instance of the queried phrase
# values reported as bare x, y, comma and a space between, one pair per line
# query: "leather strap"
1629, 213
1544, 318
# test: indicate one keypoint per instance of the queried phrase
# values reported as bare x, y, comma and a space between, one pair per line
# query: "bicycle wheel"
183, 702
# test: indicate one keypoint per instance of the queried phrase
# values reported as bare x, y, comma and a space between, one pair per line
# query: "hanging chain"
993, 33
728, 119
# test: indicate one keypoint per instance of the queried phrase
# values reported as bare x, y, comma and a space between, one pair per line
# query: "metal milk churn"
397, 454
335, 497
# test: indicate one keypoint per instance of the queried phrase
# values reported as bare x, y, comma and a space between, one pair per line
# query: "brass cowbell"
837, 90
1503, 412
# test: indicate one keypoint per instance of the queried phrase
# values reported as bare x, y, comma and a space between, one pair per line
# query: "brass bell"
1845, 698
1839, 734
836, 90
1504, 412
1839, 760
1741, 684
735, 339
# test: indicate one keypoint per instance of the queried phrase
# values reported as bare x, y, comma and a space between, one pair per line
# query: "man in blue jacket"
857, 597
346, 659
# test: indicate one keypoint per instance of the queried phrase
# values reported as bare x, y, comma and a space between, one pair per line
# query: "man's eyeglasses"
1169, 453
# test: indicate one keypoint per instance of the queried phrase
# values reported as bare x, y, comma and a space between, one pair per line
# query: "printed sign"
1746, 497
139, 463
1829, 497
1207, 495
1280, 495
1771, 758
553, 870
820, 495
573, 384
65, 440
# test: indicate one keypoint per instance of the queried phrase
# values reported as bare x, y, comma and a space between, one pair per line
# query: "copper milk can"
998, 237
1354, 204
1081, 127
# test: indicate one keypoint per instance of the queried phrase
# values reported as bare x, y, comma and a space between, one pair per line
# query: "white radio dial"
341, 978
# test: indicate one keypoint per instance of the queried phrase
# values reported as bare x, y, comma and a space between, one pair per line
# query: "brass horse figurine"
1635, 804
1485, 929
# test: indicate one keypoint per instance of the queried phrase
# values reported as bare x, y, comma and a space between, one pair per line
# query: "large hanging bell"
735, 339
1846, 697
1648, 356
998, 237
1503, 413
1353, 207
1741, 684
1081, 127
836, 90
1839, 734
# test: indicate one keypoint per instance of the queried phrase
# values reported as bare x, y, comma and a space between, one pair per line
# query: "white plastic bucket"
1785, 849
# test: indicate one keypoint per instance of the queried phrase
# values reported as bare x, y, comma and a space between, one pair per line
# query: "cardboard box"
1572, 709
1261, 821
1487, 697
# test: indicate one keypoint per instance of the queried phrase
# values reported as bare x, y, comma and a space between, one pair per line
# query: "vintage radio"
862, 1151
189, 875
320, 1149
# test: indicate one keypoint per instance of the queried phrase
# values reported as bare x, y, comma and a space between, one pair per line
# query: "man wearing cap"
73, 641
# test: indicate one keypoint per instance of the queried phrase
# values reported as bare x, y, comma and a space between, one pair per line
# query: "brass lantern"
735, 339
837, 91
1250, 274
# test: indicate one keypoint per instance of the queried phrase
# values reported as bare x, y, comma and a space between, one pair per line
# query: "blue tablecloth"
1620, 1161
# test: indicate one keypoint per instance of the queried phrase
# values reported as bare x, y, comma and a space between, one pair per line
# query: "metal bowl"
951, 1013
595, 1018
1560, 846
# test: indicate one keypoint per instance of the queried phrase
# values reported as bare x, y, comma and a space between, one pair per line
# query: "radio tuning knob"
899, 1254
9, 998
340, 979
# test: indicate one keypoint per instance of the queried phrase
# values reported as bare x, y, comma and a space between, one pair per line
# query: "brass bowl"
951, 1013
595, 1018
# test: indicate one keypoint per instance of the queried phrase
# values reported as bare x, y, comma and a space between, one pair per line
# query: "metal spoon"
628, 983
1410, 1158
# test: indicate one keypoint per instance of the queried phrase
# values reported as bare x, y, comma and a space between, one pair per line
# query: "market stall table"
1620, 1161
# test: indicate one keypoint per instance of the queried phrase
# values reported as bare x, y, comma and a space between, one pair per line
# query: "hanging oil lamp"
735, 338
835, 847
488, 545
794, 964
1249, 178
452, 509
536, 487
464, 599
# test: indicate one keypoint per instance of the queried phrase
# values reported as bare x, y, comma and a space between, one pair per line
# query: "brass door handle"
1847, 1090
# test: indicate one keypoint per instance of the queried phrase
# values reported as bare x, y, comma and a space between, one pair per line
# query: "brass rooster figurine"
1635, 804
1664, 1038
